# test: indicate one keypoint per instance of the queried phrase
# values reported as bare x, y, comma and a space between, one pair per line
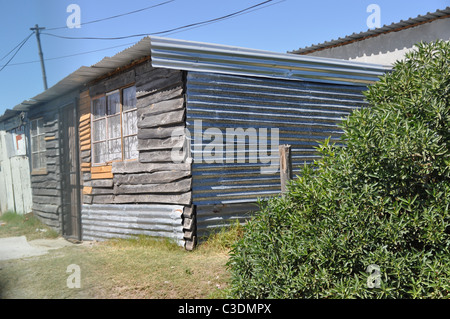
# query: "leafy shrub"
382, 200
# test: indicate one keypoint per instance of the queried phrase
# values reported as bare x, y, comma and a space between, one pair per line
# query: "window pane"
113, 103
40, 126
35, 160
115, 150
42, 146
34, 128
129, 123
130, 147
42, 162
114, 127
34, 144
99, 107
99, 152
129, 98
99, 130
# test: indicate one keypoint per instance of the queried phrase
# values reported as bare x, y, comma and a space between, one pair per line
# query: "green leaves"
383, 200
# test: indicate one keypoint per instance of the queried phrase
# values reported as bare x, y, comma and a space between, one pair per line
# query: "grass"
140, 267
12, 224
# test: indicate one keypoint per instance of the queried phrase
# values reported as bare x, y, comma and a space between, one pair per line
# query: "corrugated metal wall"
304, 113
102, 222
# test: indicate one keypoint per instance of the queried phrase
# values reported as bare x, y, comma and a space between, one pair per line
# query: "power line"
117, 16
247, 12
241, 12
72, 55
17, 51
166, 31
26, 38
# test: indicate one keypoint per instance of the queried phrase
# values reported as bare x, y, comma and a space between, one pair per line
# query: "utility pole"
38, 38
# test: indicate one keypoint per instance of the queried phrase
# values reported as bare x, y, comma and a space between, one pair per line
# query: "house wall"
46, 186
224, 188
150, 195
389, 47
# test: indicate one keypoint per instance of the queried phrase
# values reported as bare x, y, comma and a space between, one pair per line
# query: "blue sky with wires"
276, 25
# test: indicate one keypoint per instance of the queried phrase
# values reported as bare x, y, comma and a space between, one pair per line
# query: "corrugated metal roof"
213, 58
203, 57
86, 74
412, 22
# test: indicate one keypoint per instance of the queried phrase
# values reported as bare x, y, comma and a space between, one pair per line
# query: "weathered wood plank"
87, 199
85, 147
161, 143
159, 96
100, 191
52, 209
85, 135
101, 175
182, 199
85, 154
161, 156
85, 142
150, 178
103, 199
45, 192
156, 75
84, 123
181, 186
160, 132
159, 83
87, 190
160, 107
85, 117
101, 169
100, 183
56, 200
144, 68
85, 165
169, 118
120, 80
137, 167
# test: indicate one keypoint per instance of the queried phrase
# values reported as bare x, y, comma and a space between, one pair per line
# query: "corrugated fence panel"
211, 218
102, 222
303, 112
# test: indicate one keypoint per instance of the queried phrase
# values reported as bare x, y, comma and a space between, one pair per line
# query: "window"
38, 161
114, 126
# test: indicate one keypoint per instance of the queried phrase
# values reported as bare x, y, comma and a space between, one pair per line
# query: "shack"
174, 138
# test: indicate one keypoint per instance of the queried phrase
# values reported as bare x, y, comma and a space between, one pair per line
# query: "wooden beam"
101, 169
285, 166
182, 199
101, 175
181, 186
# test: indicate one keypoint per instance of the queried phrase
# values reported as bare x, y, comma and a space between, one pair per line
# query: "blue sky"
280, 26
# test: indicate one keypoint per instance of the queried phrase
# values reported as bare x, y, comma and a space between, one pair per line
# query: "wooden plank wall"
46, 187
153, 178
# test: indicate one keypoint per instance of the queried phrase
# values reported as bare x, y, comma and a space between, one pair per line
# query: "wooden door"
70, 173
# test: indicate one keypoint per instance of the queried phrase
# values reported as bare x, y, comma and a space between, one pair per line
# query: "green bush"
382, 200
